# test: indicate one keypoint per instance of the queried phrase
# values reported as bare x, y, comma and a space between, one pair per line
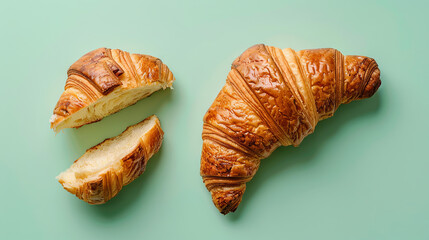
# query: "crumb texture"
104, 169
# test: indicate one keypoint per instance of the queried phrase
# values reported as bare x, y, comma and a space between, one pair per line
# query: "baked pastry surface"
274, 97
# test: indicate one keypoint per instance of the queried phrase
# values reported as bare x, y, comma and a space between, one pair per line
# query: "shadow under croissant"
284, 158
87, 136
92, 134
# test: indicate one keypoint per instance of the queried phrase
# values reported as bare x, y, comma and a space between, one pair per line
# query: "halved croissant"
104, 169
274, 97
105, 81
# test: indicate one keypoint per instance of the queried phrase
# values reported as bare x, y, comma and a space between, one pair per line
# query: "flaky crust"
111, 181
274, 97
99, 72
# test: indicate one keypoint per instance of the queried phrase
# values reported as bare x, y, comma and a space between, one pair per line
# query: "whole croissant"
274, 97
105, 81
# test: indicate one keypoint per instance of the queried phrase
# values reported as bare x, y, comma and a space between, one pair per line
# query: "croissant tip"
226, 211
373, 84
227, 200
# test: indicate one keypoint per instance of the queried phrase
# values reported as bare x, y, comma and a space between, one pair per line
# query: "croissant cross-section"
105, 81
100, 173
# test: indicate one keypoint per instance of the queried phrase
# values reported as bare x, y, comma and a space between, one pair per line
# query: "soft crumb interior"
105, 156
111, 103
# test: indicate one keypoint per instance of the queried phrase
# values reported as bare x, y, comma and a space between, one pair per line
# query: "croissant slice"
105, 81
104, 169
274, 97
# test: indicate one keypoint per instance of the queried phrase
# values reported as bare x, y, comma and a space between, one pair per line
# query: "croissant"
274, 97
105, 81
104, 169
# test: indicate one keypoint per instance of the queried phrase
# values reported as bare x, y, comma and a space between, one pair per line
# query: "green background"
363, 174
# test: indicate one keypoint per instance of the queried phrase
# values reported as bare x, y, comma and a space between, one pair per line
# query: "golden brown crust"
109, 183
359, 71
274, 97
323, 70
99, 69
99, 72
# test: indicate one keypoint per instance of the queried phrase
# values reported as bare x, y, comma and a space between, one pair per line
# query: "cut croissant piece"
105, 81
104, 169
274, 97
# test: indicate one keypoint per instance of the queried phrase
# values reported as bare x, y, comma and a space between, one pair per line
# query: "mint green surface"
363, 174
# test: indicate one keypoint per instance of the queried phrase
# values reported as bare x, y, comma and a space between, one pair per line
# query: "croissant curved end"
227, 199
373, 83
